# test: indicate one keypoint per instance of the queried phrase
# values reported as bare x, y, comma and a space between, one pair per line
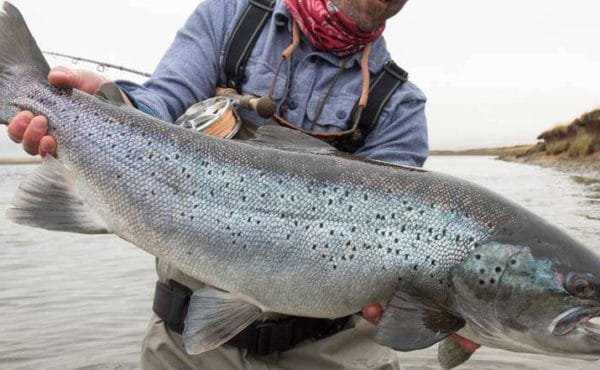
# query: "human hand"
32, 130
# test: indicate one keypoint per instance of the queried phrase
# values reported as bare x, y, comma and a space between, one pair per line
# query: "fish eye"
579, 286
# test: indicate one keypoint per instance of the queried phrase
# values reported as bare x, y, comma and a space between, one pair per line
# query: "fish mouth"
580, 319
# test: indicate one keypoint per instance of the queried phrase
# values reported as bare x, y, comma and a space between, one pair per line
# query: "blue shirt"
191, 69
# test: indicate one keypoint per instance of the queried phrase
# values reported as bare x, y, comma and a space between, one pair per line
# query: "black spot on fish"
321, 225
177, 157
409, 209
432, 262
366, 197
406, 256
192, 218
513, 262
492, 281
353, 229
330, 201
482, 271
415, 267
346, 193
498, 269
481, 282
490, 225
478, 257
350, 208
118, 176
288, 236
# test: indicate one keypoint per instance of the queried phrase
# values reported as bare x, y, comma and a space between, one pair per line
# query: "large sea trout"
282, 223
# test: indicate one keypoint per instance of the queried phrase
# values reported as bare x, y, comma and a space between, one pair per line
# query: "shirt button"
292, 105
340, 114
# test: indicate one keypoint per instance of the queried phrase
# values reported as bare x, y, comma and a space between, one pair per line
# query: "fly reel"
215, 116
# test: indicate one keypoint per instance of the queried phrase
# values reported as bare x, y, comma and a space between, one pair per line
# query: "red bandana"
327, 28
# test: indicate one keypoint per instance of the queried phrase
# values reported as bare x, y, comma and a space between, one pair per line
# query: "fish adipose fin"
213, 318
49, 199
410, 323
109, 92
17, 49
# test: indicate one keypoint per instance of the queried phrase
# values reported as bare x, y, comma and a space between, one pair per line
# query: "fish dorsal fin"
213, 318
110, 93
285, 139
410, 323
291, 140
49, 199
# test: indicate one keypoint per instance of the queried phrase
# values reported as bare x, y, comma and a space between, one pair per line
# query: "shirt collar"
379, 54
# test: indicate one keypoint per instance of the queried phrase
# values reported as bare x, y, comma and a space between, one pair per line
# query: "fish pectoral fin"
451, 354
410, 323
49, 199
213, 318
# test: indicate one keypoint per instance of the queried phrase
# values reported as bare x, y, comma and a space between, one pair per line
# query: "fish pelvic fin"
49, 199
213, 318
451, 354
19, 56
410, 323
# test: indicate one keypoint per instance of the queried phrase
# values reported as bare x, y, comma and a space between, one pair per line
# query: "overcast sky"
495, 72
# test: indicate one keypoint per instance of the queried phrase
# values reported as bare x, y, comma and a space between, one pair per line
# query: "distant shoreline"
14, 161
500, 151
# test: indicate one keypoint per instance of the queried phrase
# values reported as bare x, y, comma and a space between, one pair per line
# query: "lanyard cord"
287, 53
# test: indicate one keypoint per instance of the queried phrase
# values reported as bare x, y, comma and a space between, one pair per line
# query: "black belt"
260, 338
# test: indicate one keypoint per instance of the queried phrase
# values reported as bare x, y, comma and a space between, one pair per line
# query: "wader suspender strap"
387, 81
243, 38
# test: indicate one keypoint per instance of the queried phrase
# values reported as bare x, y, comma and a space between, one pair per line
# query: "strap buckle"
392, 68
273, 336
179, 306
265, 5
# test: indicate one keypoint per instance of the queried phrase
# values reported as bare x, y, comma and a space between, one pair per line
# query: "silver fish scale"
296, 233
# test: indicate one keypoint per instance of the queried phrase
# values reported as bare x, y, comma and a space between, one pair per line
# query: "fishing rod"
101, 66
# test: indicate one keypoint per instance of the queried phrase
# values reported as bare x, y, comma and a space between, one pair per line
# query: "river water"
69, 301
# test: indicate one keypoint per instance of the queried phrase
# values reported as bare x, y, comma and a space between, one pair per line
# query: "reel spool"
215, 116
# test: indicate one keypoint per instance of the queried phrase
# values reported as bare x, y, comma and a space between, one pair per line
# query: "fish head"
516, 299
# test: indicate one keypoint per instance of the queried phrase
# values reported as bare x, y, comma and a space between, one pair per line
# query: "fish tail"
20, 59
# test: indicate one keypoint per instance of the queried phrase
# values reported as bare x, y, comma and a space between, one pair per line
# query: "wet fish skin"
295, 231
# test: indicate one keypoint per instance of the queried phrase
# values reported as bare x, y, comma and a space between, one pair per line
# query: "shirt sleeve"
401, 135
189, 70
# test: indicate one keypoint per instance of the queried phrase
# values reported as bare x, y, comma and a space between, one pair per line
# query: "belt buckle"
274, 336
